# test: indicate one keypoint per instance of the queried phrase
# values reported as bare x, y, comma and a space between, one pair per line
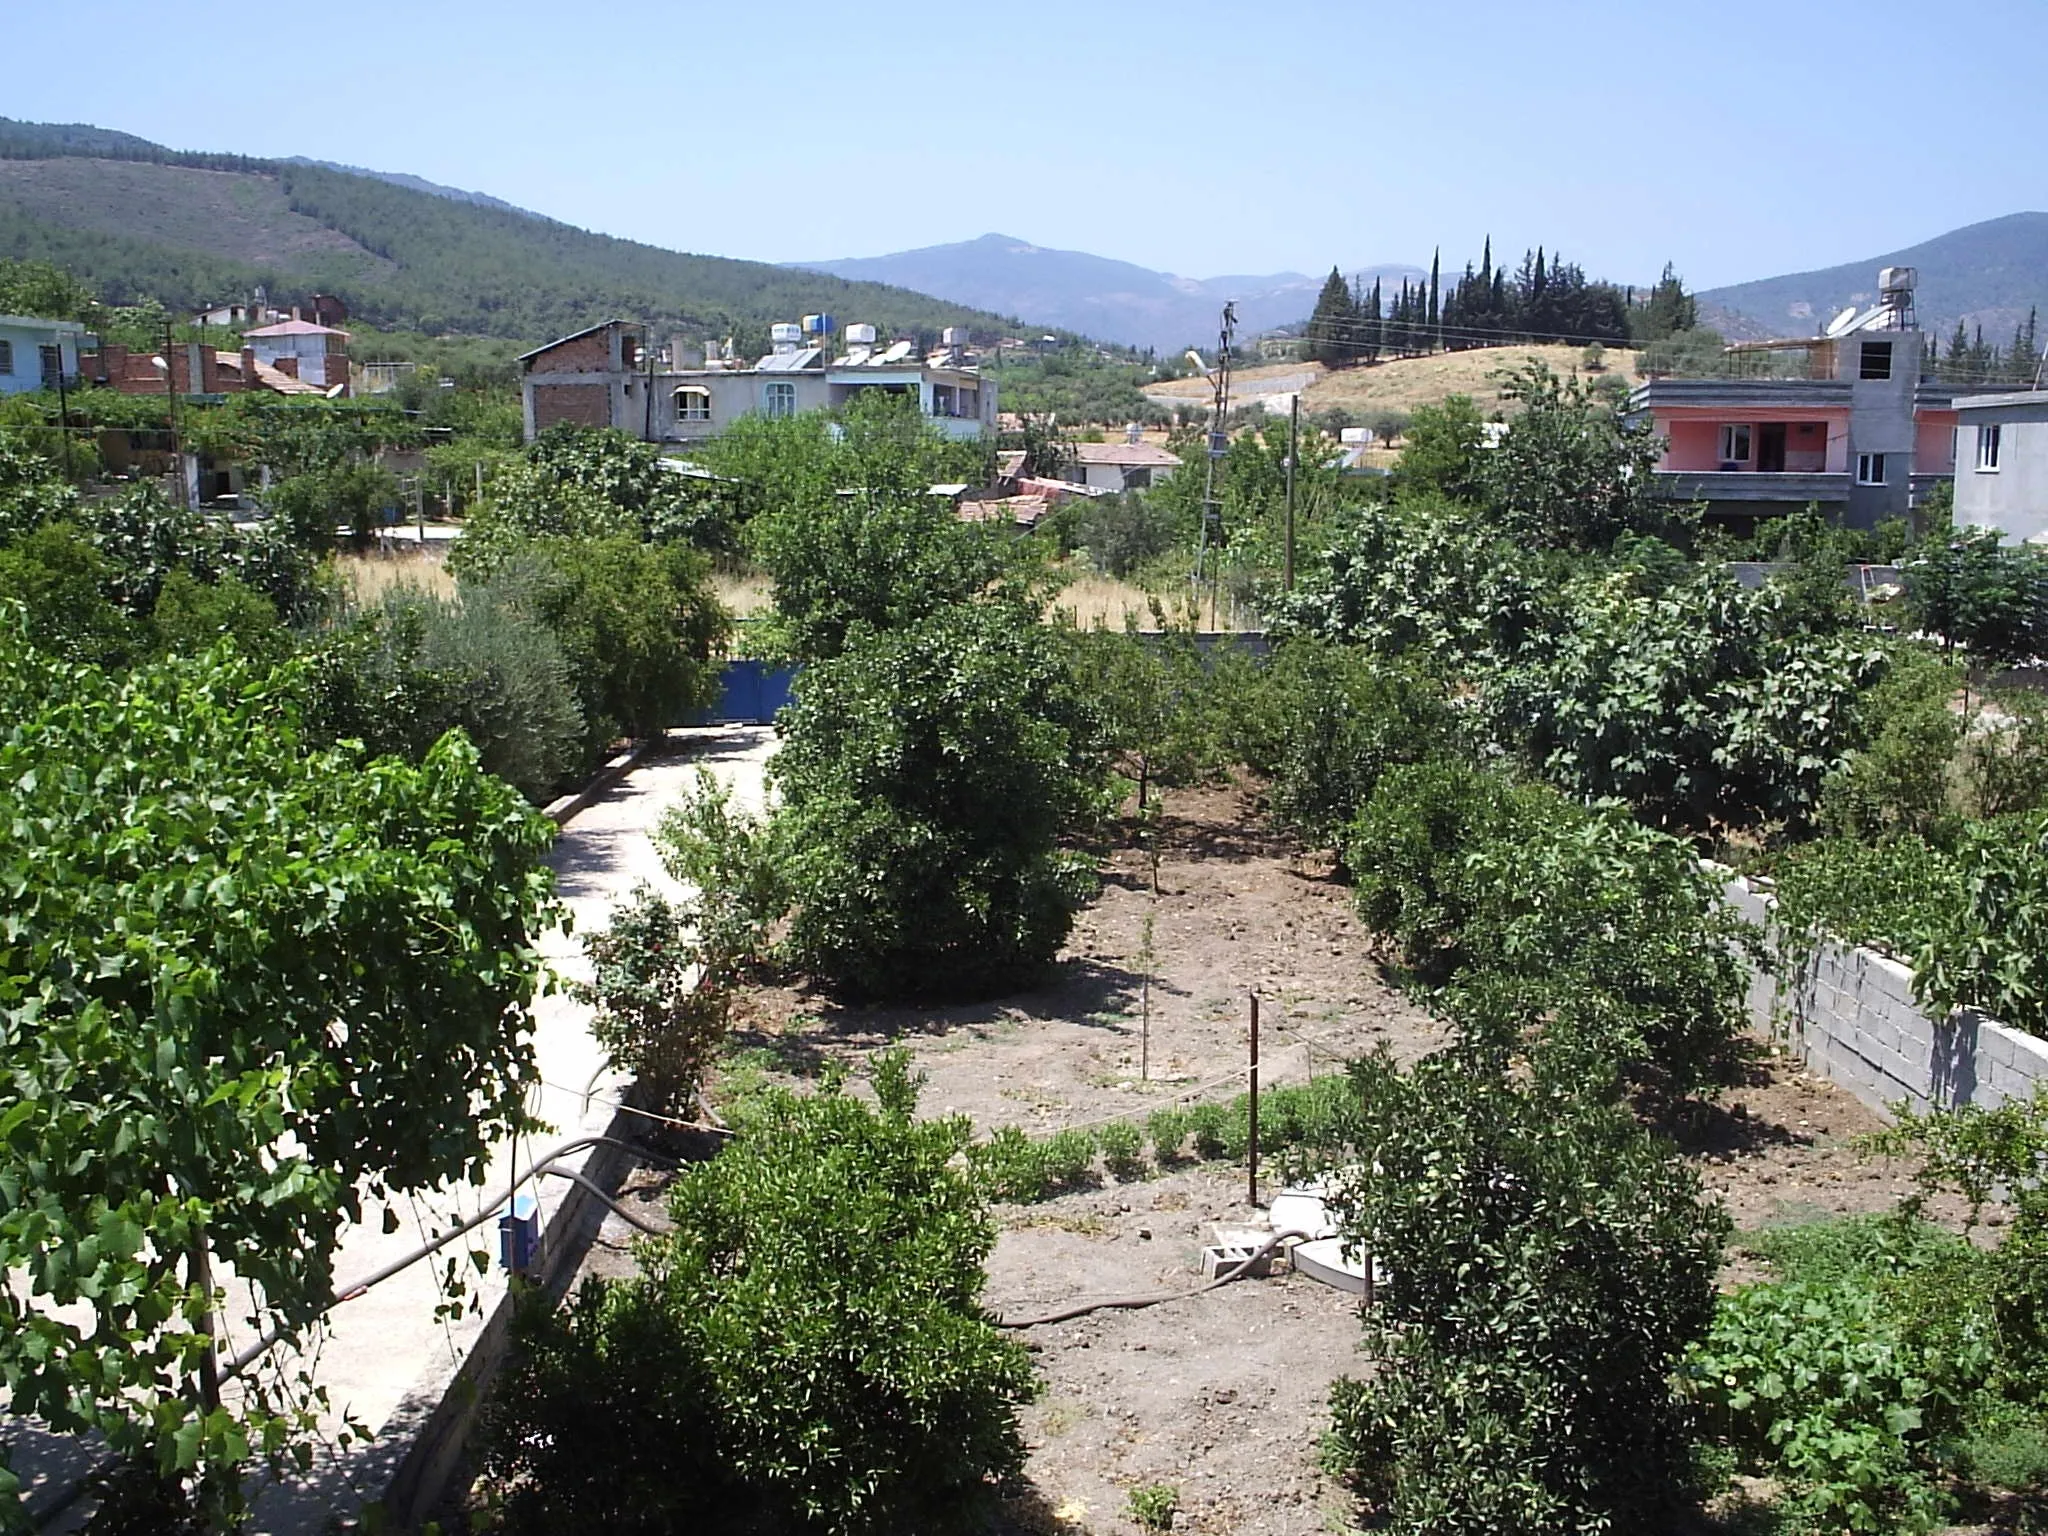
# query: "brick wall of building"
579, 354
581, 405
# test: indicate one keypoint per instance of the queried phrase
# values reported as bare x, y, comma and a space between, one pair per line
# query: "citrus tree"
244, 985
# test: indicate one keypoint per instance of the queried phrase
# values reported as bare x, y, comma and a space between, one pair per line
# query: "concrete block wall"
1851, 1014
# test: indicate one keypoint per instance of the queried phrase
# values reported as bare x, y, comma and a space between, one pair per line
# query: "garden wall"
1850, 1013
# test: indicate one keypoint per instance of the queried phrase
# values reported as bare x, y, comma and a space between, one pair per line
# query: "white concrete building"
2002, 464
602, 377
313, 354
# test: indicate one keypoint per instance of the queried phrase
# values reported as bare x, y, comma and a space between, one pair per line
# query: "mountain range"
137, 220
1110, 300
1987, 274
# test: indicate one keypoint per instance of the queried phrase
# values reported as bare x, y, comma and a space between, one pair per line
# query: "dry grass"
745, 596
1407, 382
1104, 601
1252, 381
370, 576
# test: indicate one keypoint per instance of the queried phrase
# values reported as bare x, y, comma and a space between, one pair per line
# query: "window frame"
6, 356
699, 408
1990, 440
1864, 356
1729, 432
1865, 462
778, 400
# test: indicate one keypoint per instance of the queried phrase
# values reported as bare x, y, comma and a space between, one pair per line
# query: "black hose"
1131, 1303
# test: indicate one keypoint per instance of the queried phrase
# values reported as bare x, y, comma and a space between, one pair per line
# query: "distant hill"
137, 220
1110, 300
1988, 274
419, 184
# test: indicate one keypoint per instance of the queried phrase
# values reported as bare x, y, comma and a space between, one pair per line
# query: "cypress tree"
1435, 318
1329, 328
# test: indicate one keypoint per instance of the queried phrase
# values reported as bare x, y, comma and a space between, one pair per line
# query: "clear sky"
1742, 138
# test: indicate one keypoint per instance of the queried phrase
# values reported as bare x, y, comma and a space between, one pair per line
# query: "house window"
1870, 469
693, 404
6, 357
1877, 360
781, 399
1987, 447
1735, 445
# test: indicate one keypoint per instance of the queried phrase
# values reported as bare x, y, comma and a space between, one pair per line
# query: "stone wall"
1850, 1013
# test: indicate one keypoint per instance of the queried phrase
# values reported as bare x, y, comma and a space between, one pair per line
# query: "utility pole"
177, 443
1212, 517
1293, 448
63, 410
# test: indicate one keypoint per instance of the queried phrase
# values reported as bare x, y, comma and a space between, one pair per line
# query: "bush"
1975, 591
1167, 1130
311, 506
1550, 1263
637, 623
1348, 719
1602, 944
1122, 533
60, 582
1123, 1150
927, 777
403, 674
2005, 756
1153, 1505
649, 1011
806, 1352
1898, 781
191, 616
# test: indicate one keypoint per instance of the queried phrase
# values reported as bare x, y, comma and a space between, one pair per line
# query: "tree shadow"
1079, 991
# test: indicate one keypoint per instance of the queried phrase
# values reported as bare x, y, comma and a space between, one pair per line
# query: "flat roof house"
604, 377
2002, 468
1119, 466
1859, 428
35, 352
313, 354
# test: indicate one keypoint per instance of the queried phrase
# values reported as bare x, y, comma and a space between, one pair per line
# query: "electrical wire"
275, 1336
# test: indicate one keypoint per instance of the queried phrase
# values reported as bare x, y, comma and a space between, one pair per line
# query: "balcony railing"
1752, 485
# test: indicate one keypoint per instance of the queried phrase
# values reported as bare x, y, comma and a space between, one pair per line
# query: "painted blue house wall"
21, 365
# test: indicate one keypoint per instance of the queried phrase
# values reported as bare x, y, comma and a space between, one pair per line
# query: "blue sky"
1739, 139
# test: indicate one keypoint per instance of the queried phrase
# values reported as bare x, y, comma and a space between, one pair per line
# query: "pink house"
1863, 434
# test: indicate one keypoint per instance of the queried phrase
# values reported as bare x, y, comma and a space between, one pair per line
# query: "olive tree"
245, 985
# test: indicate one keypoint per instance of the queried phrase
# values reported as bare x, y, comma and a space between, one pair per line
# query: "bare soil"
1223, 1396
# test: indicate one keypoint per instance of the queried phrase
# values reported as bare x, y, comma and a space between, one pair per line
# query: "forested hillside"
135, 220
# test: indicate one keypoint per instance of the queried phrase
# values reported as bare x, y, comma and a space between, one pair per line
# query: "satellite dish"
334, 393
1839, 326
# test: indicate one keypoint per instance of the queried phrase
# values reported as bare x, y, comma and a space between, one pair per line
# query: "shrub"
403, 674
1068, 1158
1153, 1505
1550, 1263
637, 623
1009, 1166
1583, 933
191, 616
2005, 756
1347, 720
927, 777
1156, 706
1210, 1125
1898, 780
60, 581
1978, 592
806, 1352
1123, 1150
1122, 533
1167, 1130
650, 1013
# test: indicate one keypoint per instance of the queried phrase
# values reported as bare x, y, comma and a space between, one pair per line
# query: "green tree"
1442, 452
60, 581
197, 898
1667, 311
637, 623
1975, 591
927, 776
1331, 338
43, 288
313, 505
1568, 473
805, 1353
1550, 1263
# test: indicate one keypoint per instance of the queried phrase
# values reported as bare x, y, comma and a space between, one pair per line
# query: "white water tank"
784, 334
953, 336
860, 335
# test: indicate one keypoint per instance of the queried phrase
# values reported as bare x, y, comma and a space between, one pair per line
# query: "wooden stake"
1252, 1146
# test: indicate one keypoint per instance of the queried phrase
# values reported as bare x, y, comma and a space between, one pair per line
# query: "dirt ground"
1222, 1396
